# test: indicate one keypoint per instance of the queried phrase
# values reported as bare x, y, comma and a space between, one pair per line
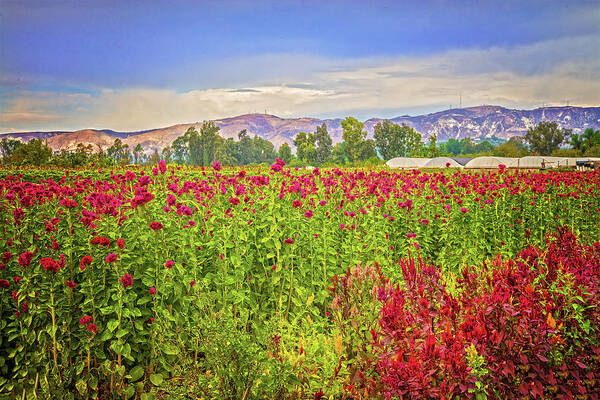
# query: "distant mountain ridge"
477, 123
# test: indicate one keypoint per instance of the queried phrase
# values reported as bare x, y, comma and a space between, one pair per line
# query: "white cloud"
526, 76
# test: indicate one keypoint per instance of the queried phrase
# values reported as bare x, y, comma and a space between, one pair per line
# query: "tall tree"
8, 146
354, 136
324, 145
305, 146
393, 140
137, 151
119, 152
285, 153
546, 137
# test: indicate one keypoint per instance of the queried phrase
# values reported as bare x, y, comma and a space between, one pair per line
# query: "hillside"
477, 123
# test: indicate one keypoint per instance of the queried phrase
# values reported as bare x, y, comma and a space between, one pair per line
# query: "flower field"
280, 283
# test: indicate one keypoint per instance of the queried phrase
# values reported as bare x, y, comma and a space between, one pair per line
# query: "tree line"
390, 140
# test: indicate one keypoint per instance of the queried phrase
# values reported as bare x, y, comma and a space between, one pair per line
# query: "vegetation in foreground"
281, 283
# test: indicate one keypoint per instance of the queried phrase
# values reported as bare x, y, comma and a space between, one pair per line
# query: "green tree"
354, 136
432, 149
324, 145
8, 146
546, 137
393, 140
35, 152
513, 147
119, 152
181, 150
137, 152
338, 154
167, 154
305, 146
285, 153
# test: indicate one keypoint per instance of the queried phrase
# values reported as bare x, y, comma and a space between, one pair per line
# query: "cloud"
548, 72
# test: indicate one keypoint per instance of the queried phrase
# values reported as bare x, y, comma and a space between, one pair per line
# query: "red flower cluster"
85, 320
156, 226
25, 259
121, 243
112, 257
101, 240
127, 280
169, 264
50, 264
87, 260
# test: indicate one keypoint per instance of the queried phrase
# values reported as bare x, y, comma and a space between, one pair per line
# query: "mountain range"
477, 123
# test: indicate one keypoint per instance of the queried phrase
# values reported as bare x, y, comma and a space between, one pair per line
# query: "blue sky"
130, 65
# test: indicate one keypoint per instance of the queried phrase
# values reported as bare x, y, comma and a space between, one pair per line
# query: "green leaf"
136, 373
156, 379
112, 325
81, 386
171, 350
121, 332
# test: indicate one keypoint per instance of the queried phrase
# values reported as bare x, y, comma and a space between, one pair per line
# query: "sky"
136, 65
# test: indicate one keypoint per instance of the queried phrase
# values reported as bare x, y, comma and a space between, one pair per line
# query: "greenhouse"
491, 162
407, 163
443, 162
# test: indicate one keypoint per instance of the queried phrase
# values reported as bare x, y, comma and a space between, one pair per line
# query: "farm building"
443, 162
407, 163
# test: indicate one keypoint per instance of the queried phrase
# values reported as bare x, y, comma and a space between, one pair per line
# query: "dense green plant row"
115, 282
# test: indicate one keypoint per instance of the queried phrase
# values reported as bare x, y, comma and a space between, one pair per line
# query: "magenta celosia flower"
288, 241
464, 210
192, 283
162, 166
152, 290
17, 279
297, 203
112, 257
156, 226
92, 328
217, 166
121, 244
308, 214
70, 284
411, 235
4, 284
85, 320
169, 264
127, 280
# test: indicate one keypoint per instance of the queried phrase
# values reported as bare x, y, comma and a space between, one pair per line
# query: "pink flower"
192, 283
152, 290
288, 241
464, 210
308, 214
411, 235
92, 328
112, 257
162, 166
169, 264
297, 203
85, 320
70, 284
121, 244
217, 166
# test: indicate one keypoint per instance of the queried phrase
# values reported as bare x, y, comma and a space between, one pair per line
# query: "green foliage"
34, 152
466, 146
285, 153
513, 147
546, 137
119, 152
393, 140
357, 148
